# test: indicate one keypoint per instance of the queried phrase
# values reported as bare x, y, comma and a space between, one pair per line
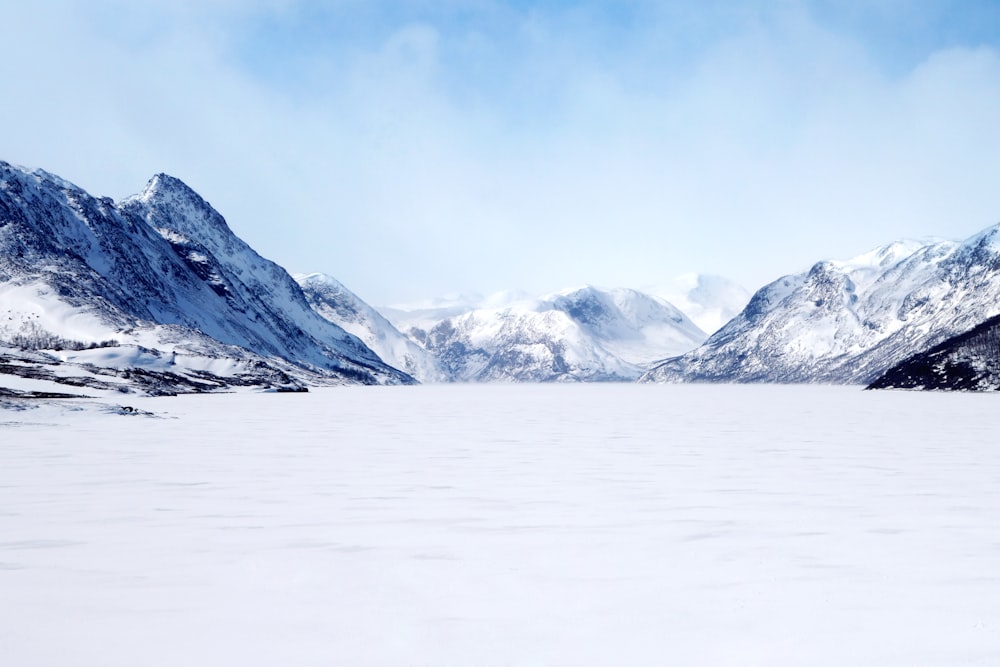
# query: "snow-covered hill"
586, 334
848, 321
160, 271
339, 305
969, 361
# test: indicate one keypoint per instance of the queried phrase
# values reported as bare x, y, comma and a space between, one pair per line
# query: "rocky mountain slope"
339, 305
586, 334
160, 271
969, 361
849, 321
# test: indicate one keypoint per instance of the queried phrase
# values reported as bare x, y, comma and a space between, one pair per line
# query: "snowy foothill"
503, 525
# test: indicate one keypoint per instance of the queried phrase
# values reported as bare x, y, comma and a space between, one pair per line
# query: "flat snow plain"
505, 525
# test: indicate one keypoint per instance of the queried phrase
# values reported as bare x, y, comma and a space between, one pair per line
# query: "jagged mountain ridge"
328, 297
848, 321
585, 334
161, 270
967, 362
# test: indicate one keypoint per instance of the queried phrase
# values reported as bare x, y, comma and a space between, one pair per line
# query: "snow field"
505, 525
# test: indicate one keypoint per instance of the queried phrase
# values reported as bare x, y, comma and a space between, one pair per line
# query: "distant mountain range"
155, 294
585, 334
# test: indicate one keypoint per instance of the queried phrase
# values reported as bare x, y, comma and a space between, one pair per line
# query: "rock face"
586, 334
968, 362
159, 271
849, 321
339, 305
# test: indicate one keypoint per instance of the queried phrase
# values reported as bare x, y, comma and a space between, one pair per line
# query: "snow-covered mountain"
160, 271
339, 305
848, 321
586, 334
969, 361
710, 301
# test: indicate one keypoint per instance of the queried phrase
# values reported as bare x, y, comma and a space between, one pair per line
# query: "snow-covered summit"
172, 205
885, 256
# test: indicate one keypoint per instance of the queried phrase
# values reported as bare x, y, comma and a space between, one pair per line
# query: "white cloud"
536, 149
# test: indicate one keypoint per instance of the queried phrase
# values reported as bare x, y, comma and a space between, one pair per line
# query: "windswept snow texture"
849, 321
969, 362
125, 369
586, 334
339, 305
160, 270
496, 525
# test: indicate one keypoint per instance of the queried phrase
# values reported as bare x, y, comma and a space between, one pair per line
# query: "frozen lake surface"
505, 525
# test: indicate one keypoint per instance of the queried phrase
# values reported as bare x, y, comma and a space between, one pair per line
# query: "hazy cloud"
416, 148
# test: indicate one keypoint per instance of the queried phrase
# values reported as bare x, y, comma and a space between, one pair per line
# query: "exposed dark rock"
967, 362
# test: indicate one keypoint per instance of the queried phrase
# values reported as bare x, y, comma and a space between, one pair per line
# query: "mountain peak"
163, 185
987, 238
884, 256
9, 171
168, 203
317, 280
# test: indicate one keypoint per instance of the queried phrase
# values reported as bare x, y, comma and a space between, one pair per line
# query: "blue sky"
417, 148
